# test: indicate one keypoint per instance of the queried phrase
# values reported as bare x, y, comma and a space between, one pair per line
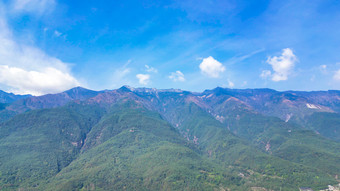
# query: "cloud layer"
211, 67
282, 66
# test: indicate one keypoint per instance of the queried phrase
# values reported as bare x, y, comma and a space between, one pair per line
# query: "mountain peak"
77, 89
126, 88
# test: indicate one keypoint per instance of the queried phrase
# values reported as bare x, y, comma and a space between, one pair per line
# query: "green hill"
128, 148
287, 141
276, 171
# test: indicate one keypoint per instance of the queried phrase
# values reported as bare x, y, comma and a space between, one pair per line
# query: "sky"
48, 46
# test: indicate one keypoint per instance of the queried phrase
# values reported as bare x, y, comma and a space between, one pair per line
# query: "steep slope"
81, 146
228, 150
287, 141
137, 150
38, 144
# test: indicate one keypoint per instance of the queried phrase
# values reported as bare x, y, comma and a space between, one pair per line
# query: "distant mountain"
150, 139
52, 100
6, 98
46, 101
284, 105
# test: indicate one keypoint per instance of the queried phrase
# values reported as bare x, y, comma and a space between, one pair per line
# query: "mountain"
52, 100
6, 98
330, 98
46, 101
290, 106
150, 139
134, 149
103, 145
285, 105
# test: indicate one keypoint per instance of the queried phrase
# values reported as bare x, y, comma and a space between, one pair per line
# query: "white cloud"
27, 69
120, 77
33, 6
143, 79
36, 82
177, 76
336, 76
211, 67
121, 72
323, 69
230, 84
265, 74
282, 66
151, 69
57, 33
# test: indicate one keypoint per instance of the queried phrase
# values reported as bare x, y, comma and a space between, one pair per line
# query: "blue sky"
47, 46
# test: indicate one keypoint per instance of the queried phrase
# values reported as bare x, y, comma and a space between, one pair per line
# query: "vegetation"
280, 171
326, 124
126, 149
174, 142
287, 141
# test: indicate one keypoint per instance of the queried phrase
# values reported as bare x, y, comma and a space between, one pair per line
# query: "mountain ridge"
294, 106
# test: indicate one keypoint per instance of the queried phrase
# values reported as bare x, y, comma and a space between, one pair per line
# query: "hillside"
149, 139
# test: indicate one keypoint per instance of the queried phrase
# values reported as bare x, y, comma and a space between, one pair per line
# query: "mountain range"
151, 139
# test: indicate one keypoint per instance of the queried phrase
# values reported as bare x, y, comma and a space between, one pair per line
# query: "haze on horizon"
48, 46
